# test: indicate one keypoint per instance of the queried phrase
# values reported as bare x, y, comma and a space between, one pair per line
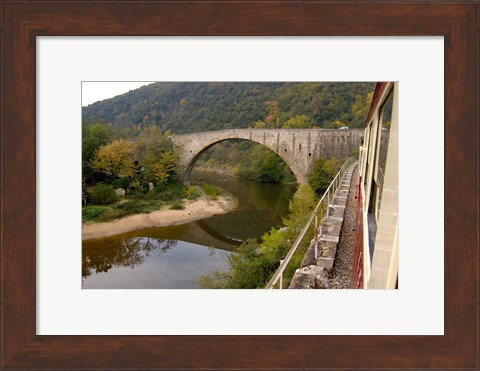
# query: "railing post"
281, 277
328, 201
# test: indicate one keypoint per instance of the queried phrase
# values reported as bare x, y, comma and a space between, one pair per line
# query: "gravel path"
342, 271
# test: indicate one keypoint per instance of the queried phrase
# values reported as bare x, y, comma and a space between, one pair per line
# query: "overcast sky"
93, 91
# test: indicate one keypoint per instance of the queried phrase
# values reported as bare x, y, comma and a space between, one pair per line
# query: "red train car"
376, 247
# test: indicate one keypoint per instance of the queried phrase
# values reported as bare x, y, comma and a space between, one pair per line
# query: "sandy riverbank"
194, 210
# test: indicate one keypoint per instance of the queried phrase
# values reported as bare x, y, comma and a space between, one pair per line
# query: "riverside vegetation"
122, 177
254, 262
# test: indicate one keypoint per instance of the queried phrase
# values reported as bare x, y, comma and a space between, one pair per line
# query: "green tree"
93, 137
335, 124
298, 122
300, 208
322, 174
265, 166
160, 168
152, 141
157, 156
260, 125
360, 109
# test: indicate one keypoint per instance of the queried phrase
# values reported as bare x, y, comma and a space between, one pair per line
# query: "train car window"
364, 160
370, 160
378, 148
370, 188
378, 159
383, 136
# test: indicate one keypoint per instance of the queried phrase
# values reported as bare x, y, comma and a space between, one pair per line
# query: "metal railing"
319, 213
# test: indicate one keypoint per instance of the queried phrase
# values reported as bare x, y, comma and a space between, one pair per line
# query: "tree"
322, 174
152, 141
259, 125
160, 168
156, 155
265, 165
360, 109
271, 169
335, 124
298, 122
93, 137
116, 158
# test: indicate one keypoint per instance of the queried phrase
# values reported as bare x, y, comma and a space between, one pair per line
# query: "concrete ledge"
331, 227
327, 253
336, 210
326, 263
342, 193
329, 239
327, 247
311, 277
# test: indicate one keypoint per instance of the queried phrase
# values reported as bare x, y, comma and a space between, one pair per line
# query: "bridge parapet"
297, 147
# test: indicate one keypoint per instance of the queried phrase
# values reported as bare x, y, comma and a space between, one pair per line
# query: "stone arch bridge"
297, 147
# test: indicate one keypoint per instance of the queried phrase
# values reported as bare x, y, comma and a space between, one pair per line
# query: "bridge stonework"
297, 147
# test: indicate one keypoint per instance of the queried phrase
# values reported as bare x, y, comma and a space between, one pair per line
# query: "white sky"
93, 91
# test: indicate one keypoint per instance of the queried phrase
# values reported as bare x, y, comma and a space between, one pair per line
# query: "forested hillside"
185, 107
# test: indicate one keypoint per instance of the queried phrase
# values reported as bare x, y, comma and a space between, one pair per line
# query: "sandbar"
194, 210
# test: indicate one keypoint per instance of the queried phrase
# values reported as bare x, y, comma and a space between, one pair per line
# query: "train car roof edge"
377, 94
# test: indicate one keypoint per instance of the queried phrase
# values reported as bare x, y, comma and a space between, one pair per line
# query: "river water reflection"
174, 257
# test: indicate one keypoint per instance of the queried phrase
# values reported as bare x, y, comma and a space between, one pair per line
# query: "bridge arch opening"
241, 150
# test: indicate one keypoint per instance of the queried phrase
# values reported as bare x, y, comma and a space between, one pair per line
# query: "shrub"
177, 205
121, 182
112, 214
93, 213
211, 190
103, 194
192, 192
131, 207
169, 192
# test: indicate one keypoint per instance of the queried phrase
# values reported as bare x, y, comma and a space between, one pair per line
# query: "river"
175, 257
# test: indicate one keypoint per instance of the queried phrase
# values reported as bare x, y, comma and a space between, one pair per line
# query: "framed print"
224, 59
49, 49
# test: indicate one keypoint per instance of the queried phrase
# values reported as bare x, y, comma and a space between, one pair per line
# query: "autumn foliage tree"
115, 158
151, 158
